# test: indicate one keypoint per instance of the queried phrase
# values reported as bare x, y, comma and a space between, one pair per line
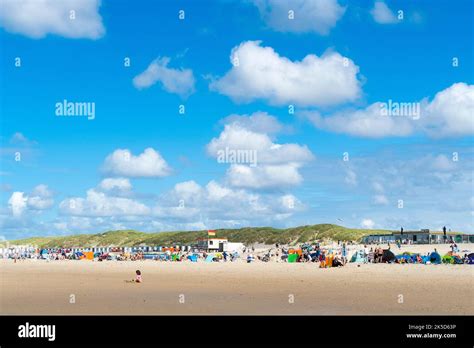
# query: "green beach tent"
448, 259
292, 257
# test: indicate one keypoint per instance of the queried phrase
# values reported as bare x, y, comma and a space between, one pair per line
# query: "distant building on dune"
379, 238
212, 244
423, 236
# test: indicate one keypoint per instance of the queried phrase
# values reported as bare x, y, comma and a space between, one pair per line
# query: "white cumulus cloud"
259, 122
118, 184
382, 14
318, 16
367, 223
274, 165
366, 122
39, 199
68, 18
265, 176
148, 164
17, 203
178, 81
449, 114
261, 73
100, 204
236, 137
223, 205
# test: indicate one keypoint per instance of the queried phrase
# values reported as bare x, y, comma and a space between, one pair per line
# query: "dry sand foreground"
40, 287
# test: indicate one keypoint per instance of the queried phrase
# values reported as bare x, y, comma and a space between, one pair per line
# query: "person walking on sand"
371, 255
366, 254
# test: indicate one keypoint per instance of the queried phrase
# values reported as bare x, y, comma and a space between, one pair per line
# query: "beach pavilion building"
212, 244
423, 236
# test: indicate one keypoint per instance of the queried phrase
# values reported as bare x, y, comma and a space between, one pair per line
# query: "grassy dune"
248, 235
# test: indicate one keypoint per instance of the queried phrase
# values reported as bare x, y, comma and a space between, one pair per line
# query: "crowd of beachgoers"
335, 255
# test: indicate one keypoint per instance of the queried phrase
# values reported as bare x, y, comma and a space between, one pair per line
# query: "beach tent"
79, 255
470, 259
298, 252
435, 257
388, 256
193, 258
329, 260
415, 258
357, 257
448, 258
403, 258
210, 258
292, 258
89, 255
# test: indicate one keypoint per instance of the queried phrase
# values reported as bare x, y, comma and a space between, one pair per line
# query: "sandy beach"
40, 287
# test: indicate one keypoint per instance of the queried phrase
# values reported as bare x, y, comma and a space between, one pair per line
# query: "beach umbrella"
388, 256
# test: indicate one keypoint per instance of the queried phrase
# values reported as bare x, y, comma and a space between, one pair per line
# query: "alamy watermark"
234, 156
37, 331
73, 109
392, 108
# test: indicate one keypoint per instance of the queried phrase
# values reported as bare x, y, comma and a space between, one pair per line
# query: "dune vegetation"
247, 235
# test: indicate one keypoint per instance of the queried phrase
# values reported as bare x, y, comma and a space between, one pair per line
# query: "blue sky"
141, 164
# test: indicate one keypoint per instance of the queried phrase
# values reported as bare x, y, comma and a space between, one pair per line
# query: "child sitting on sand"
138, 278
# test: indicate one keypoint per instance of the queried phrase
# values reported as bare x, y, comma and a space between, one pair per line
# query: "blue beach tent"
357, 257
435, 258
